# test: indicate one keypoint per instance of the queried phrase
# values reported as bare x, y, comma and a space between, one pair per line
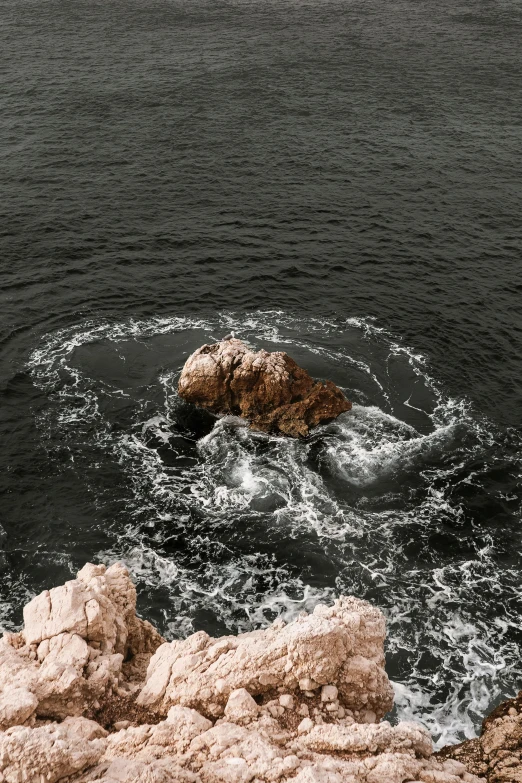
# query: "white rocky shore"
89, 692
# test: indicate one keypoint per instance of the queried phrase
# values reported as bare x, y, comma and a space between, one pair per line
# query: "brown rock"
268, 389
497, 753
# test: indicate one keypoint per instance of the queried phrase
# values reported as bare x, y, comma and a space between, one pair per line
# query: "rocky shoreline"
497, 754
90, 692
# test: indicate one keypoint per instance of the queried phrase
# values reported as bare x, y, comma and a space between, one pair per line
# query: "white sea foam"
230, 590
362, 497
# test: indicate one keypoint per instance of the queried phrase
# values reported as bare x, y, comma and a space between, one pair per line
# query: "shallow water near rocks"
226, 529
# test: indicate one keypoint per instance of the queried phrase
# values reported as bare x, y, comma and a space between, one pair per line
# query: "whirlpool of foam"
225, 529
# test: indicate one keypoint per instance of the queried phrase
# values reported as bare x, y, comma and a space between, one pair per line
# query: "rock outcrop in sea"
268, 389
90, 692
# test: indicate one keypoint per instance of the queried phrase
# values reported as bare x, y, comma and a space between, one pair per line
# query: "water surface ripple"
337, 179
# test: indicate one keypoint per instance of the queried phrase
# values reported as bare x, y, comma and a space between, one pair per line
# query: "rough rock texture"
268, 389
47, 753
70, 654
497, 753
341, 644
299, 702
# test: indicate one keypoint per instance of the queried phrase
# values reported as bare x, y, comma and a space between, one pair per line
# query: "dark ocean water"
338, 179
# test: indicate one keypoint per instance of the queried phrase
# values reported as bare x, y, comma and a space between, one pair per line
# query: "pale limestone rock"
121, 724
314, 775
338, 648
71, 651
98, 606
17, 705
358, 738
307, 684
85, 728
228, 746
130, 771
306, 724
241, 706
329, 693
49, 753
317, 649
144, 742
16, 667
187, 723
229, 753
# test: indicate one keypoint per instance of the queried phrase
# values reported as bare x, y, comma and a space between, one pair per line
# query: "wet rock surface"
268, 389
89, 692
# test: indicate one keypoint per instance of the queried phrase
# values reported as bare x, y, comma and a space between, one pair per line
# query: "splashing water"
397, 501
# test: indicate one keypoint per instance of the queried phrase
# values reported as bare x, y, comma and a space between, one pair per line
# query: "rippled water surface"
337, 180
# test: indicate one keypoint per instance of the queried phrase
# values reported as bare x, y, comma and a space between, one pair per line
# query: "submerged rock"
268, 389
89, 692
